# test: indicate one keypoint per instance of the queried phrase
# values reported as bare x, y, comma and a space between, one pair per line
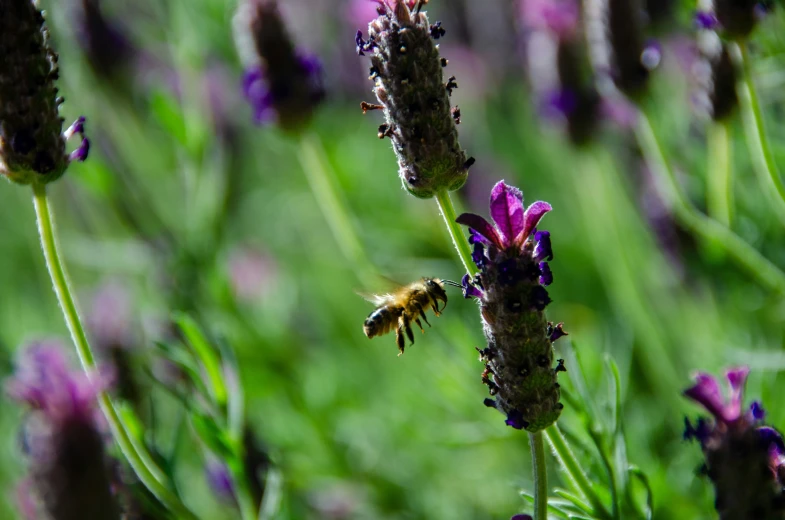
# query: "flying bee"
397, 310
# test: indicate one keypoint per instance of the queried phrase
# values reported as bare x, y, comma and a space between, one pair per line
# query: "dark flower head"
32, 141
69, 477
521, 517
282, 83
410, 87
510, 288
744, 459
738, 18
715, 77
106, 46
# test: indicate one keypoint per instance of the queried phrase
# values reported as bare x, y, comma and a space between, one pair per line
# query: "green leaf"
207, 357
212, 435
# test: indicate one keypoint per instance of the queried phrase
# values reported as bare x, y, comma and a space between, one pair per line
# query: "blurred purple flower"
220, 481
360, 12
69, 474
103, 41
744, 459
558, 16
109, 316
252, 274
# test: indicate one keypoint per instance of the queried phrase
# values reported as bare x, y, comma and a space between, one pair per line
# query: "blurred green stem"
757, 142
573, 469
245, 502
719, 174
456, 233
321, 180
734, 246
540, 476
141, 462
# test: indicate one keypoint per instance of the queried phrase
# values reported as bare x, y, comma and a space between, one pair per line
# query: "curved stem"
141, 462
734, 246
573, 469
719, 174
456, 233
321, 181
754, 129
540, 476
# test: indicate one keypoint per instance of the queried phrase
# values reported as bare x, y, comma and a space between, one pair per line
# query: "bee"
397, 310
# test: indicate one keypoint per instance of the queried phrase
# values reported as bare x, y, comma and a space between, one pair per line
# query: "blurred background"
186, 205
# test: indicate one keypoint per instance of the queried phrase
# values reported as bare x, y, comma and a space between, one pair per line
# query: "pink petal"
531, 218
737, 377
482, 227
706, 392
507, 210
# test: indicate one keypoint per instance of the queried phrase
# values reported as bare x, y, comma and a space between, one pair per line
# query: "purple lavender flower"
69, 477
744, 459
511, 256
32, 143
220, 481
410, 87
521, 517
104, 43
281, 83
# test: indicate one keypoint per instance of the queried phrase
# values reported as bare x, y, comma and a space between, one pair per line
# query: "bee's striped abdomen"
380, 321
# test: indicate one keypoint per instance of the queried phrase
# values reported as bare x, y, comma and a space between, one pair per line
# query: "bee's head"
436, 288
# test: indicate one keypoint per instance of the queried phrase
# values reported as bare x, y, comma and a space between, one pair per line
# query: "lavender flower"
220, 480
512, 257
410, 87
566, 92
104, 43
32, 143
715, 76
281, 83
744, 459
69, 475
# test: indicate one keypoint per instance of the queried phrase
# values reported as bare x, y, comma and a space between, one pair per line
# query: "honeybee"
397, 310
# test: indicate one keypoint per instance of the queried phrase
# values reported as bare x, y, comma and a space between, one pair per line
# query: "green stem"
141, 462
540, 476
734, 246
456, 233
321, 181
719, 181
248, 510
757, 142
573, 469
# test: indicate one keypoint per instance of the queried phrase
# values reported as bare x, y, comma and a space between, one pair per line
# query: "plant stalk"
456, 233
141, 461
719, 173
540, 476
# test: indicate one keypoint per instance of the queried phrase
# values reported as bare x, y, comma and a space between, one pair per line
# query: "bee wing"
376, 299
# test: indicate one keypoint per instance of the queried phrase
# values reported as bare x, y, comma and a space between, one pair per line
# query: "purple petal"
507, 211
705, 20
546, 278
558, 332
757, 413
531, 218
481, 227
540, 298
478, 256
80, 154
706, 392
701, 431
476, 238
736, 378
469, 290
515, 419
521, 517
219, 480
543, 250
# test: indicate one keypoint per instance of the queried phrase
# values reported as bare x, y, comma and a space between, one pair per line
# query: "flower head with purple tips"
744, 459
512, 258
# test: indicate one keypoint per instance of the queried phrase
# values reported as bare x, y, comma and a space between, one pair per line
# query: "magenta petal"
531, 218
507, 210
481, 226
737, 377
706, 392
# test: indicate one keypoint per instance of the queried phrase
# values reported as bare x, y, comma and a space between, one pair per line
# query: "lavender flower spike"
69, 477
32, 143
744, 459
518, 360
281, 83
410, 87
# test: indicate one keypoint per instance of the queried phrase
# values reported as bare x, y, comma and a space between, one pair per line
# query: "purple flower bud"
469, 290
519, 356
743, 459
68, 470
543, 250
281, 83
410, 87
32, 143
521, 517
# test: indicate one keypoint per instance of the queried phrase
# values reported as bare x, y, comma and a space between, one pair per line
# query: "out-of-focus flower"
220, 480
744, 459
104, 43
410, 87
282, 84
737, 18
522, 517
252, 274
32, 143
513, 257
68, 471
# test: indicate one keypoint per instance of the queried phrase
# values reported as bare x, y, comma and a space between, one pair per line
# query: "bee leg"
422, 315
435, 308
399, 340
407, 326
417, 321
